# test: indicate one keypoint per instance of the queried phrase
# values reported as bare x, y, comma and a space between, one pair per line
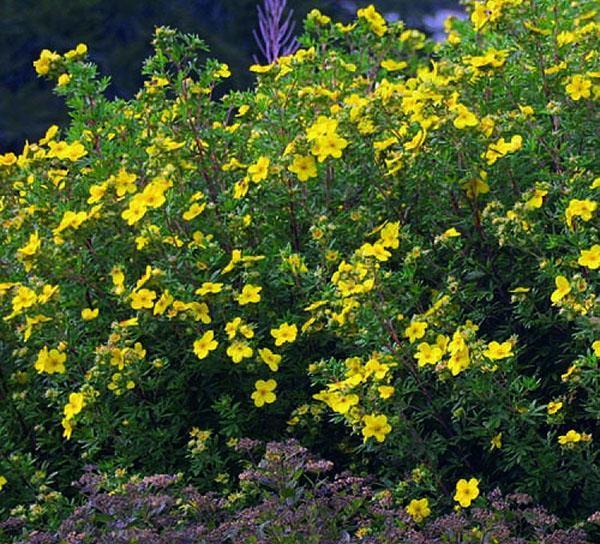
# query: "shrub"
386, 240
285, 498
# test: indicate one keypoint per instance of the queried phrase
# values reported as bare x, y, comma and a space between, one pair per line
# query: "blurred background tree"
118, 34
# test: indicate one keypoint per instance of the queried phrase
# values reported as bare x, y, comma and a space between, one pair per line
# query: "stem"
389, 326
294, 227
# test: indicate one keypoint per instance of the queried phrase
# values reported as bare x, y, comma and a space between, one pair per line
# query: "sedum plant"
386, 241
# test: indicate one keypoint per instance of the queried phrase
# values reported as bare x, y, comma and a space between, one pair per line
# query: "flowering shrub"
386, 239
285, 498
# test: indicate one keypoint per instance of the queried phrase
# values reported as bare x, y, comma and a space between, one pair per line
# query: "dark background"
118, 34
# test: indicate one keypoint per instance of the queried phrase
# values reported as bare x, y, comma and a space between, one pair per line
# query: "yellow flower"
304, 166
259, 170
565, 38
8, 159
497, 351
260, 69
341, 403
596, 348
415, 331
131, 322
537, 200
321, 127
580, 208
376, 250
376, 22
153, 195
451, 233
79, 51
492, 58
63, 80
376, 368
47, 292
194, 211
118, 280
162, 303
249, 295
476, 186
590, 258
329, 145
63, 150
144, 298
74, 406
33, 245
317, 17
466, 491
50, 362
199, 311
496, 441
67, 428
134, 212
239, 351
124, 182
417, 141
209, 287
70, 220
97, 192
459, 361
418, 509
393, 65
520, 290
527, 111
264, 392
465, 117
205, 344
232, 327
223, 71
385, 391
242, 110
484, 12
428, 355
376, 426
24, 298
555, 68
578, 87
87, 314
563, 288
571, 371
3, 482
572, 437
144, 278
284, 333
31, 322
44, 63
272, 360
501, 148
553, 407
382, 145
389, 235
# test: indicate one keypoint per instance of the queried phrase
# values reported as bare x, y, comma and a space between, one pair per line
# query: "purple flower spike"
275, 37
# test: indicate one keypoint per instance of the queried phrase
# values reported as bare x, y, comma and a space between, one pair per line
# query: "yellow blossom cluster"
412, 224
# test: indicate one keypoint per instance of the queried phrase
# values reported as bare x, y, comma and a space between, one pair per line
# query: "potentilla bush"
386, 240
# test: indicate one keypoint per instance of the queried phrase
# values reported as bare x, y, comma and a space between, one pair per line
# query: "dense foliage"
387, 248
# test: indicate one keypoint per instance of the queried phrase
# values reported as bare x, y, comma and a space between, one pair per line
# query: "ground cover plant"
287, 497
387, 248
